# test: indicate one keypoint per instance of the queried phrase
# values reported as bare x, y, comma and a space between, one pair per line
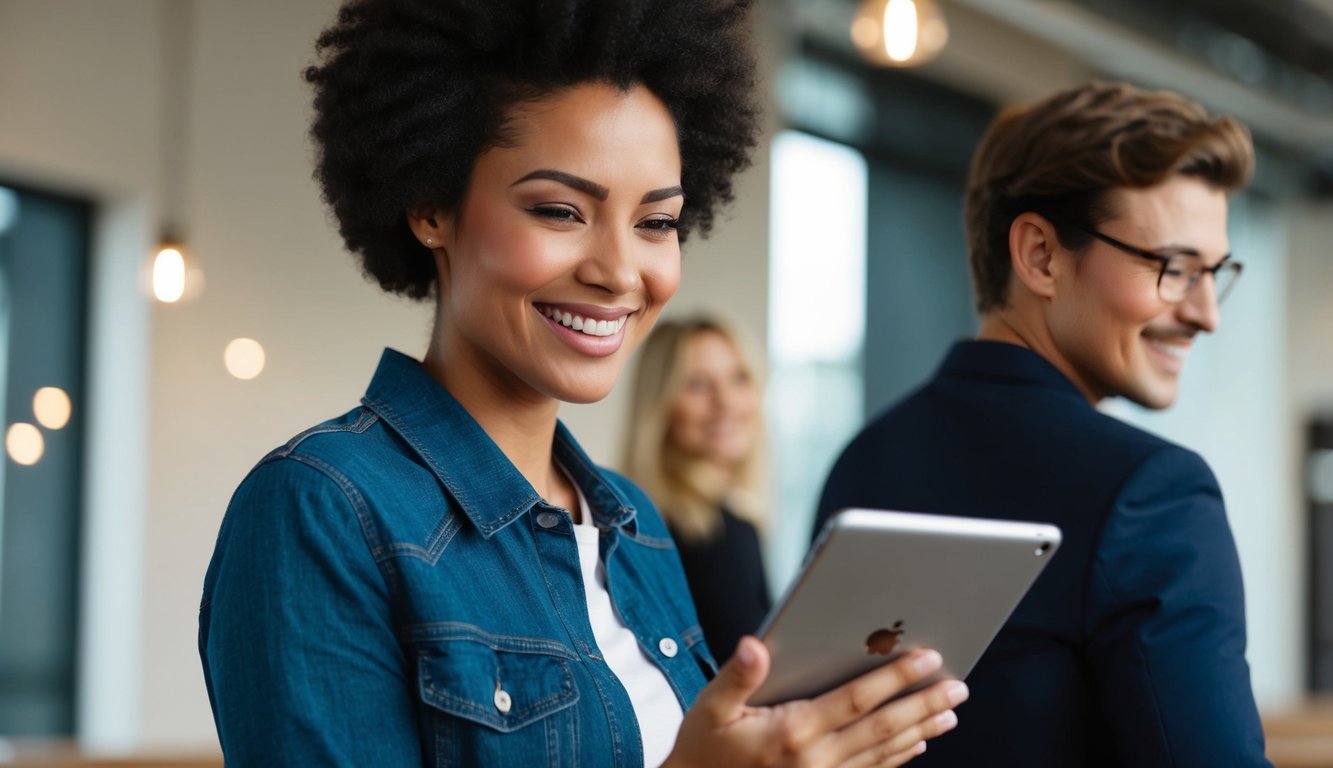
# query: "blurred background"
139, 388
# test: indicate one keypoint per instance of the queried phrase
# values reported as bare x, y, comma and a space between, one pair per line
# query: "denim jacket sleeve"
1166, 622
296, 617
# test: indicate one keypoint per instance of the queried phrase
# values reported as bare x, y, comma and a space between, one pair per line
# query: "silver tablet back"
878, 583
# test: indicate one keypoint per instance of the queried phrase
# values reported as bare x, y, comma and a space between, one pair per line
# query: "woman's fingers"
723, 699
885, 759
855, 699
888, 736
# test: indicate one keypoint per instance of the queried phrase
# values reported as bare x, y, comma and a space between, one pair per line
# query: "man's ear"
1032, 253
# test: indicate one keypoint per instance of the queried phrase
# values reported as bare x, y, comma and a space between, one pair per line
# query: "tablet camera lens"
1043, 548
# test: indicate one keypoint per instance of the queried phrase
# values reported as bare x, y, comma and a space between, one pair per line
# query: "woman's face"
717, 413
564, 249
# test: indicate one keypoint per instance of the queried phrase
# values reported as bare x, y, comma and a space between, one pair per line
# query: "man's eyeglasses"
1181, 270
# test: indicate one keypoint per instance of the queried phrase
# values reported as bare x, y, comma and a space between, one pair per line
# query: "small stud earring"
430, 242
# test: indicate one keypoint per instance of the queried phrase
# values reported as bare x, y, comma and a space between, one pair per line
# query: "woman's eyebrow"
593, 188
568, 179
662, 194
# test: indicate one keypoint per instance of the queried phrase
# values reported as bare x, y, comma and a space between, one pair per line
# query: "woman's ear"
431, 227
1032, 253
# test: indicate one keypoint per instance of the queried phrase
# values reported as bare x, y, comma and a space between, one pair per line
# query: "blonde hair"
688, 490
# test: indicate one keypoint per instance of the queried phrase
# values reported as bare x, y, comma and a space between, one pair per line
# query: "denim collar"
476, 473
1005, 362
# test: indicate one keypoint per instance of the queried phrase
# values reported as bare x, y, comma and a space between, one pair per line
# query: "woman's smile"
595, 331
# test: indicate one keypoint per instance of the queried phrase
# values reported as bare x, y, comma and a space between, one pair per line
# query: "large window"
43, 277
868, 271
816, 322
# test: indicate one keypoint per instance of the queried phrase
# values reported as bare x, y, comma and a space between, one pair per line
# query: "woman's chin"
583, 393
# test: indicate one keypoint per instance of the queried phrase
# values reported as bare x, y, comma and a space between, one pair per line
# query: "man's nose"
1200, 305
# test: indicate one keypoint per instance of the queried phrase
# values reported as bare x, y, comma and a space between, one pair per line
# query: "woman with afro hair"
441, 576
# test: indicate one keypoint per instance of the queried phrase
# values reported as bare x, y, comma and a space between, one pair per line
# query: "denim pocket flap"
498, 688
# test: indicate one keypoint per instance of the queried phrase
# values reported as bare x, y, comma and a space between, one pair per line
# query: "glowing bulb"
24, 443
900, 29
51, 407
899, 33
169, 275
244, 358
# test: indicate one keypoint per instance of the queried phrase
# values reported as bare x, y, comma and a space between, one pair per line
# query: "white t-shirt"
655, 705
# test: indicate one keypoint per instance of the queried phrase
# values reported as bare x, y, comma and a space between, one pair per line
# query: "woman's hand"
850, 725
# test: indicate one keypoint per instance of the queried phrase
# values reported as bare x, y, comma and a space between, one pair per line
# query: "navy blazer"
1129, 650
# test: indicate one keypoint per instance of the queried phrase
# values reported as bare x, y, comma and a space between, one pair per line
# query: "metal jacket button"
548, 519
668, 647
502, 701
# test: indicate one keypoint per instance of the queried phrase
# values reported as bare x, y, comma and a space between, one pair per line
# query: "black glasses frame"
1226, 263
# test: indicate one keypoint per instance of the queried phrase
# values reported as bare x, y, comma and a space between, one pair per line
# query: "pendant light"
899, 33
175, 275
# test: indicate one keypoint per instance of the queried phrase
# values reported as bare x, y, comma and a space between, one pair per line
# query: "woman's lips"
593, 331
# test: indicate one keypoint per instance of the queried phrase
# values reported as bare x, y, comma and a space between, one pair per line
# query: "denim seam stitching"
363, 422
553, 703
487, 527
454, 630
655, 542
354, 497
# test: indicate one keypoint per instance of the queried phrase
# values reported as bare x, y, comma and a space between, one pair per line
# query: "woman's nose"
611, 263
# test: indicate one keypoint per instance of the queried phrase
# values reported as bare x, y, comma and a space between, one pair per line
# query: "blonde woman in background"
696, 446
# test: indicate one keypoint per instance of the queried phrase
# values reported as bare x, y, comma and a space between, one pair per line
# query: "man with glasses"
1097, 237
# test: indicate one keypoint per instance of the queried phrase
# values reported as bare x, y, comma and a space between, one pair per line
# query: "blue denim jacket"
388, 590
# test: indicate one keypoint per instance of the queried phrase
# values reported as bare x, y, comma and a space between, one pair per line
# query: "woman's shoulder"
353, 456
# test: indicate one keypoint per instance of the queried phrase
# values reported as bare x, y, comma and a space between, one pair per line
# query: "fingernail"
957, 692
928, 662
919, 747
946, 720
745, 654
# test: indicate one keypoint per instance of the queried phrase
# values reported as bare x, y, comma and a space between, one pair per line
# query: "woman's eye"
556, 212
660, 225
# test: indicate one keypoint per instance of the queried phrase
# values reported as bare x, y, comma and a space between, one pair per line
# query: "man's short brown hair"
1061, 158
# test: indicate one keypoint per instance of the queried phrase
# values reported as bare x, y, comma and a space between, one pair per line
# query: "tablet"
877, 584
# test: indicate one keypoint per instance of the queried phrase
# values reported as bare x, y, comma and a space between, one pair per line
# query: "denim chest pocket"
498, 701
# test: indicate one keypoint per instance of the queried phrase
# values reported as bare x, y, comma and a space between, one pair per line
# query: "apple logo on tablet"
884, 641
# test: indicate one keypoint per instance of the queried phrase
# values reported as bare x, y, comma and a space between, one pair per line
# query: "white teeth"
1175, 350
588, 326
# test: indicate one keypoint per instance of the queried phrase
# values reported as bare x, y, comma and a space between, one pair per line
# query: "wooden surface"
64, 754
1301, 735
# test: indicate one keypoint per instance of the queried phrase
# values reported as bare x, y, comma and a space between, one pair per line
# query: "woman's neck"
520, 420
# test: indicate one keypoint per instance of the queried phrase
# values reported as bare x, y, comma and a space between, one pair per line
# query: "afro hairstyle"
408, 93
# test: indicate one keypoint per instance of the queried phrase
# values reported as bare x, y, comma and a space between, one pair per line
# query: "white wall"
276, 272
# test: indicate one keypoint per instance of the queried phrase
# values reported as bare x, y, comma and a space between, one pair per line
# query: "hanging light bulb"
169, 272
899, 33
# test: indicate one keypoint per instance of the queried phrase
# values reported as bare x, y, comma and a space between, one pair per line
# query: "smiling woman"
576, 215
441, 576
